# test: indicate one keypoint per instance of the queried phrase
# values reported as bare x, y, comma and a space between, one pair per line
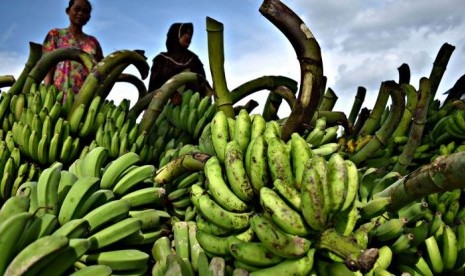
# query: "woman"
71, 74
177, 58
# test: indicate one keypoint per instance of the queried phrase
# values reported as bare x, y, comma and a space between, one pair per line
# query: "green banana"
242, 131
390, 229
276, 240
114, 233
33, 257
236, 173
93, 163
220, 134
76, 196
148, 197
254, 253
218, 188
132, 178
286, 218
299, 266
73, 229
47, 189
449, 250
118, 260
220, 216
313, 200
279, 161
433, 255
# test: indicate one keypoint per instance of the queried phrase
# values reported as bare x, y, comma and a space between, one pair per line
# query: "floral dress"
71, 74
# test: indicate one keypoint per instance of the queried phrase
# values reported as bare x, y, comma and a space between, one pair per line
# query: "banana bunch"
192, 114
14, 169
321, 133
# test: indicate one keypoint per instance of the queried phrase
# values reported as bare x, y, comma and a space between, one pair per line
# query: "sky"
363, 42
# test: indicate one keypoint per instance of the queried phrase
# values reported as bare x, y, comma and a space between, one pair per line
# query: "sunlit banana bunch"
265, 200
192, 114
101, 211
14, 169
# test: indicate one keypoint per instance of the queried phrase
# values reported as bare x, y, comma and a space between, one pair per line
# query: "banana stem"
416, 132
184, 163
404, 73
329, 100
261, 83
249, 107
373, 121
309, 56
333, 118
222, 96
439, 67
107, 84
154, 102
6, 80
354, 255
35, 53
270, 110
138, 83
361, 119
103, 69
445, 173
381, 136
457, 90
412, 99
49, 60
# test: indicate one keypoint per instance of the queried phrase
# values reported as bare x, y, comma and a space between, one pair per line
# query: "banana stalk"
328, 101
309, 56
189, 162
381, 137
103, 69
445, 173
261, 83
249, 106
49, 60
404, 74
333, 118
272, 104
35, 53
358, 101
223, 99
456, 91
154, 102
439, 67
138, 83
416, 132
355, 256
372, 123
361, 119
412, 99
7, 80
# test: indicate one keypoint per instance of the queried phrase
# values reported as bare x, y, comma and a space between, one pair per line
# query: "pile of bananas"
101, 211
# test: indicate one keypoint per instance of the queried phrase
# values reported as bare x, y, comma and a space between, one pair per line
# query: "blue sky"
363, 42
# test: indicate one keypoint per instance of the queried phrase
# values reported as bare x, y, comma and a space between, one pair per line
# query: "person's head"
179, 36
79, 12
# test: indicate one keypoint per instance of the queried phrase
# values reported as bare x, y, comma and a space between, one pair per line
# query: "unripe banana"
236, 173
242, 130
279, 161
221, 217
220, 134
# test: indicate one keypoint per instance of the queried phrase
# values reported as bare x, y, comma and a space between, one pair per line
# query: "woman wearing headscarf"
178, 58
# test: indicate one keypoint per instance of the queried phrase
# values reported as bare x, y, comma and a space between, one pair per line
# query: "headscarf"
175, 32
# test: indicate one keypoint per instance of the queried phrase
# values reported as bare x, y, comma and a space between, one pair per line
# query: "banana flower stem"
184, 163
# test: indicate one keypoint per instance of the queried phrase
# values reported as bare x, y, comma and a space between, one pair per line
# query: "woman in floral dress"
71, 74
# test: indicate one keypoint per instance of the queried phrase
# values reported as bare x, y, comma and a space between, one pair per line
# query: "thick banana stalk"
445, 173
355, 256
309, 55
440, 64
46, 62
358, 101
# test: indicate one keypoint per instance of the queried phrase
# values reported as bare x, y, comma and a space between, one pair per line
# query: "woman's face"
185, 40
79, 13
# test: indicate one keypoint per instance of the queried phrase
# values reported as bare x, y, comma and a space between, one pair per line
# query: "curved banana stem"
249, 106
445, 173
7, 80
328, 101
361, 119
381, 136
309, 56
372, 123
358, 101
355, 256
49, 60
418, 125
261, 83
184, 163
138, 83
223, 99
439, 67
35, 53
404, 73
155, 101
412, 100
100, 72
